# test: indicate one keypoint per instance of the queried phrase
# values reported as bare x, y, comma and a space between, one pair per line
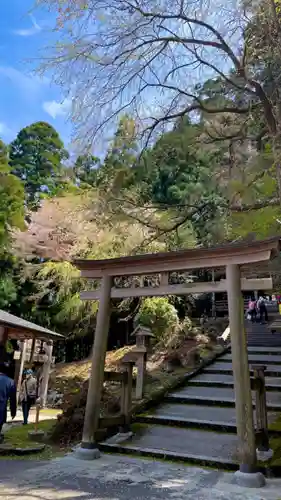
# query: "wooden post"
242, 385
36, 434
46, 372
2, 335
21, 367
37, 417
261, 408
33, 345
3, 340
89, 448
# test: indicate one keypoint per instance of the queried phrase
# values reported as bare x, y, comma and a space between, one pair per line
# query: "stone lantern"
143, 336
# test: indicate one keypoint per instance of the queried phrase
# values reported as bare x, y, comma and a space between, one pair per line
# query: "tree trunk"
277, 162
278, 177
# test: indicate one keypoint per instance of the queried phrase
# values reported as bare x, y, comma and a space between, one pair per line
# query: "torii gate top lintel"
234, 253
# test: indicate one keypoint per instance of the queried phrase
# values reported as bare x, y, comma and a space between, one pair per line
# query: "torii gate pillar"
89, 449
247, 474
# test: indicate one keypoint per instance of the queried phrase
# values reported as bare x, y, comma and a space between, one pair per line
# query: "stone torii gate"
233, 257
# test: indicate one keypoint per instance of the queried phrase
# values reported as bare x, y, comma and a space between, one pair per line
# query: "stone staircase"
261, 335
196, 423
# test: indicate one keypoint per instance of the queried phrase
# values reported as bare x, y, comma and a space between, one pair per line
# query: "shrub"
158, 314
161, 317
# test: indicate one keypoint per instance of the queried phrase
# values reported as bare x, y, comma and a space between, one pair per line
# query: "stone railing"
126, 379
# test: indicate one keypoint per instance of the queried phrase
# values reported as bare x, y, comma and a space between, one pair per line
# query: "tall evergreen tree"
11, 200
85, 169
176, 175
116, 173
36, 157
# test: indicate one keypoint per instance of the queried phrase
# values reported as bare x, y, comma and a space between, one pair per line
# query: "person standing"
8, 392
28, 394
262, 310
252, 309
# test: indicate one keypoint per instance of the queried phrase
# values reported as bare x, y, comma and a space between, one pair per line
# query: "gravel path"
121, 478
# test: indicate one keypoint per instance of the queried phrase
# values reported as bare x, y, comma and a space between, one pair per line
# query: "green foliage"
8, 291
158, 314
36, 157
86, 168
204, 182
57, 288
212, 178
4, 158
175, 199
11, 200
262, 223
177, 174
115, 172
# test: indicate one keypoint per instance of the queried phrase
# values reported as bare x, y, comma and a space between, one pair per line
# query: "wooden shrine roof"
21, 328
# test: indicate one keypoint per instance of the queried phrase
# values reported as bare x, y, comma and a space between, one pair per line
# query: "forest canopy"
191, 102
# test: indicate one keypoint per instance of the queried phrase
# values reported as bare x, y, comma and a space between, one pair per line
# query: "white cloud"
33, 30
55, 108
15, 76
27, 83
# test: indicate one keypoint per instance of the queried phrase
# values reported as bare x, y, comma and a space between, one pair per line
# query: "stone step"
224, 380
261, 359
257, 342
217, 396
192, 416
266, 350
260, 335
197, 423
226, 367
191, 446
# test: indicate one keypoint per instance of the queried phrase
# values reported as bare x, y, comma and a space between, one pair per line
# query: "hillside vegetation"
191, 152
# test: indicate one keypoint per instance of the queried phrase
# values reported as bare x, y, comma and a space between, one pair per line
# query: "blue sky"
24, 97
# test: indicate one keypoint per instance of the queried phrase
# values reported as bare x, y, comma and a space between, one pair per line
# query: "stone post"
141, 371
46, 372
143, 337
89, 449
126, 397
247, 475
164, 279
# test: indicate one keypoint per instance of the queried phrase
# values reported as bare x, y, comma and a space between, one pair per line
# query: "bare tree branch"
255, 206
147, 59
